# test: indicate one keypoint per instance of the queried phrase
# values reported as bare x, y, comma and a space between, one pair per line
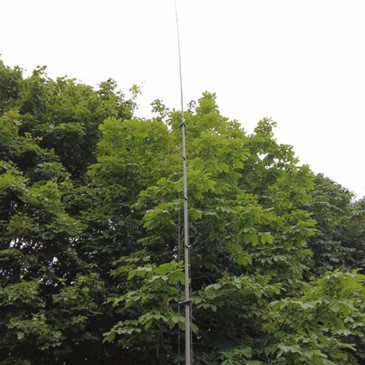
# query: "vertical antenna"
187, 300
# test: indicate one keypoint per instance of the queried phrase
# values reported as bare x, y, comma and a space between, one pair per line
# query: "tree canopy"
91, 236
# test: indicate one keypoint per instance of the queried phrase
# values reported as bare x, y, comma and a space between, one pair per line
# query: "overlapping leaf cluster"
91, 236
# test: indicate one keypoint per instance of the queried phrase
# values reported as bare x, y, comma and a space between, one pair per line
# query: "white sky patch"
300, 62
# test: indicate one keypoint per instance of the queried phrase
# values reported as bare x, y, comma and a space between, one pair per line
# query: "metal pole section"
187, 300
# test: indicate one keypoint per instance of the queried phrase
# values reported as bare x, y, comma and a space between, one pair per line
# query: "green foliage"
91, 229
9, 86
322, 325
150, 311
340, 236
23, 321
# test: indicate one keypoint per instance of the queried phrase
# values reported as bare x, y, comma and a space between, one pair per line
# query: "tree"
91, 236
234, 230
50, 296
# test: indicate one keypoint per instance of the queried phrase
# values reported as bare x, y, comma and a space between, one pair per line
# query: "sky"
299, 62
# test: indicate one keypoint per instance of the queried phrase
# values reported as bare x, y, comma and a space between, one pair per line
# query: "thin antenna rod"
180, 65
187, 300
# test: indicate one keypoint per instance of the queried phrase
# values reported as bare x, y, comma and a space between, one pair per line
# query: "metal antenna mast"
187, 299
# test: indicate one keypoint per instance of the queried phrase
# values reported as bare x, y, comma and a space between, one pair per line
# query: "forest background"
90, 220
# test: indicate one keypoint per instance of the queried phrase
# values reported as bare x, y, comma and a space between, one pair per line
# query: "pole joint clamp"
186, 302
